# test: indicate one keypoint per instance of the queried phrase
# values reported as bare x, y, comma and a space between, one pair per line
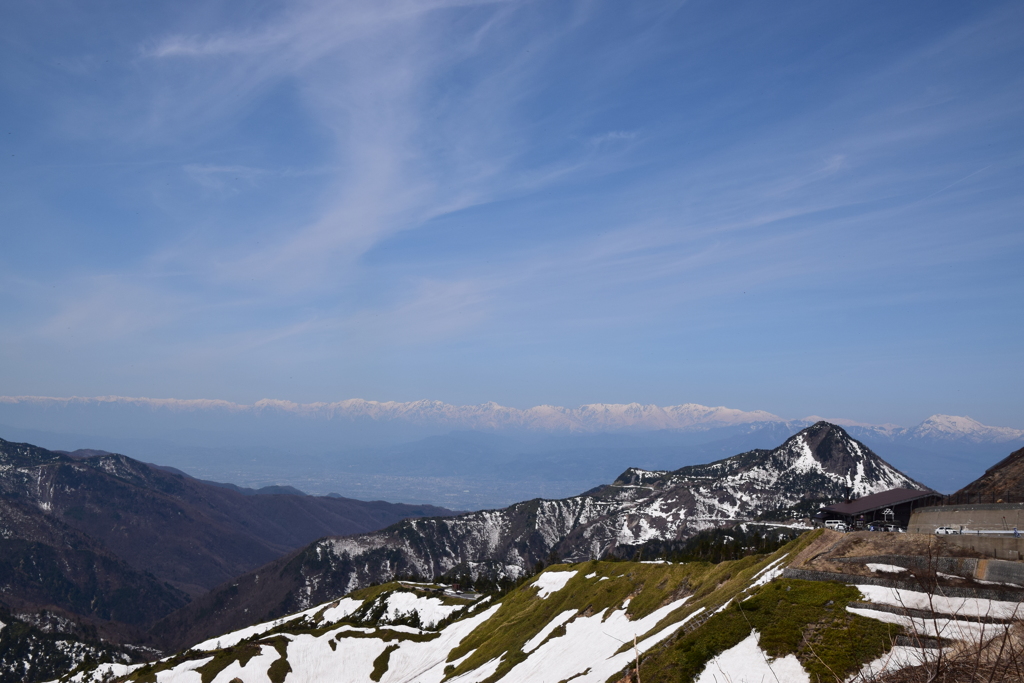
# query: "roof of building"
879, 500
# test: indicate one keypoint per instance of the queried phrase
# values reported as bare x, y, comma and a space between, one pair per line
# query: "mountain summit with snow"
952, 427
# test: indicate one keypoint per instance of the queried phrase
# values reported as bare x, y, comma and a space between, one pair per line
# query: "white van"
835, 524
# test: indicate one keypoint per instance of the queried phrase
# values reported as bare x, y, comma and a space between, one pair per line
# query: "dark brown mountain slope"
1003, 482
192, 534
46, 564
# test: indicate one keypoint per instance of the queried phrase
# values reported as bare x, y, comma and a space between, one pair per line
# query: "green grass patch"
387, 635
241, 653
380, 664
804, 618
279, 668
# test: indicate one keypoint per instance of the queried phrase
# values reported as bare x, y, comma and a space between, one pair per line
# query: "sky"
806, 208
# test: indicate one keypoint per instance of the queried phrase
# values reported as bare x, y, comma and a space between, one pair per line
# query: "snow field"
552, 582
235, 637
254, 671
184, 673
585, 652
345, 607
103, 672
533, 643
430, 610
746, 662
313, 660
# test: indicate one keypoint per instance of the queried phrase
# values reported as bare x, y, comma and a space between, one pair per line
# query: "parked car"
895, 528
946, 530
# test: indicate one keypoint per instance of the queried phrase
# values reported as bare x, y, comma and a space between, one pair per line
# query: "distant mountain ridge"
491, 415
821, 463
594, 417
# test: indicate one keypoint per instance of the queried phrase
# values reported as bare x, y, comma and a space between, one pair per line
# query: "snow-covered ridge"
593, 417
949, 427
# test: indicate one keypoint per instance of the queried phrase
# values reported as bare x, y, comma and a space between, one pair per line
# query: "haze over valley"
462, 457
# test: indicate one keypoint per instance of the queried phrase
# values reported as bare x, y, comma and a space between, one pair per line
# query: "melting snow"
552, 582
746, 662
963, 607
236, 637
584, 652
887, 568
533, 643
430, 610
936, 628
184, 673
899, 657
806, 462
769, 573
253, 671
345, 607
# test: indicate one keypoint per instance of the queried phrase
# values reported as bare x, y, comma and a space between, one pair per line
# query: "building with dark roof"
894, 505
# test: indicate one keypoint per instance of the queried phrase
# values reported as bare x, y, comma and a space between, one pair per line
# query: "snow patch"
533, 643
962, 607
887, 568
769, 573
899, 657
940, 628
746, 662
552, 582
430, 610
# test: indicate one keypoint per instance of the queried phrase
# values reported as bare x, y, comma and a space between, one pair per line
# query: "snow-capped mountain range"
593, 417
490, 415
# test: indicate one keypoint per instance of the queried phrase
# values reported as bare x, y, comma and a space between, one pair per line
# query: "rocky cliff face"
1003, 482
820, 463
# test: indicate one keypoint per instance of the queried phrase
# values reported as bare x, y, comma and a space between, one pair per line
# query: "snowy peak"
821, 458
827, 449
953, 427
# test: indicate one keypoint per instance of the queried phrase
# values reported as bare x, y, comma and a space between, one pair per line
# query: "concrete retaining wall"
1001, 547
999, 571
973, 517
960, 566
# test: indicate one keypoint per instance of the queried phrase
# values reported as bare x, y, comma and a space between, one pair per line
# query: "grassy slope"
651, 586
808, 619
803, 618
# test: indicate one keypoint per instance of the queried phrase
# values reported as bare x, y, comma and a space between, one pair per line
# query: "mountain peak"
952, 427
827, 449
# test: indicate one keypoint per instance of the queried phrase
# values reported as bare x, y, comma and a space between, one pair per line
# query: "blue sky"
808, 208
